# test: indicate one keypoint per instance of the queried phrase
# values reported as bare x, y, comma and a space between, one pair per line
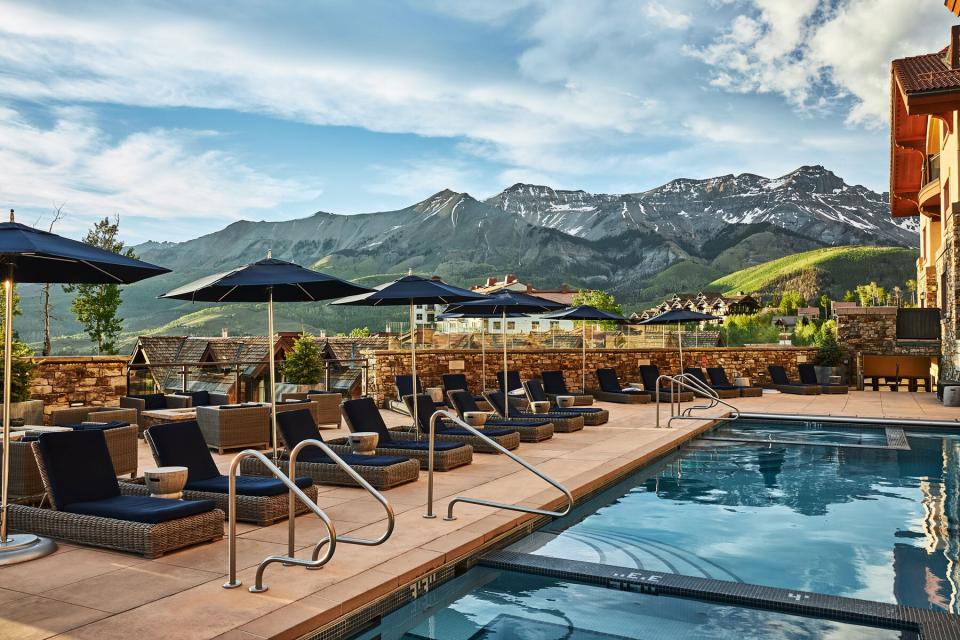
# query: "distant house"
810, 313
529, 324
715, 304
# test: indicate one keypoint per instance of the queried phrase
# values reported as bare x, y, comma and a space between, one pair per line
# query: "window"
419, 317
496, 325
535, 325
554, 324
511, 325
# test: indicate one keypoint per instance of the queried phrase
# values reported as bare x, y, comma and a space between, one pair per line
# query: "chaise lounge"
506, 435
611, 391
362, 415
382, 472
783, 384
555, 385
514, 388
529, 429
721, 390
260, 500
592, 416
404, 386
808, 375
90, 507
718, 378
562, 422
458, 382
649, 374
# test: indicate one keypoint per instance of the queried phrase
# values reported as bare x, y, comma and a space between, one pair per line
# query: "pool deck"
82, 592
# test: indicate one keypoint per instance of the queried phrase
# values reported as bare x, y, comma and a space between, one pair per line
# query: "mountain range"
546, 236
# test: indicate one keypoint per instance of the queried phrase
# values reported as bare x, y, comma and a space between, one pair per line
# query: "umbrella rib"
306, 293
104, 272
232, 289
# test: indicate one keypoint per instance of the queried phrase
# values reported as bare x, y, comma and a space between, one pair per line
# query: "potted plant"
23, 369
304, 366
829, 359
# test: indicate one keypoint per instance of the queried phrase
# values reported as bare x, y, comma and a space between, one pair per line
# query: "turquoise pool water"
489, 604
877, 524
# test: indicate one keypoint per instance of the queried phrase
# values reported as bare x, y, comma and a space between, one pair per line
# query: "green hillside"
831, 270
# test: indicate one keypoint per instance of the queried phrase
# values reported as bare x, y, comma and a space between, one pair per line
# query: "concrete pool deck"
82, 592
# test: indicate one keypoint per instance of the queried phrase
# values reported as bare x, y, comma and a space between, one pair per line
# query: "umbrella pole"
24, 546
680, 344
506, 385
413, 369
483, 355
583, 368
271, 346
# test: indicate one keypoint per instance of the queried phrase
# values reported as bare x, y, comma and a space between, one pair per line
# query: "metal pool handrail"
295, 491
356, 477
487, 503
682, 381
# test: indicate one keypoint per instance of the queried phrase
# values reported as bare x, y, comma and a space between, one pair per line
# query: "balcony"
929, 194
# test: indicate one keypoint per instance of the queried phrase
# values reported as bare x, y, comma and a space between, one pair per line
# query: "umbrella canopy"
32, 255
585, 313
268, 280
503, 303
678, 317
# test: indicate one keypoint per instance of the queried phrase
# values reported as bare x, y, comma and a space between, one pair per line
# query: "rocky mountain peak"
813, 179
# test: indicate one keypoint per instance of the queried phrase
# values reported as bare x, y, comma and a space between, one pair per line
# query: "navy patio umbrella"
412, 290
678, 317
32, 255
269, 280
585, 313
502, 304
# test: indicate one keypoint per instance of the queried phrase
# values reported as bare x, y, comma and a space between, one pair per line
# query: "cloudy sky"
184, 116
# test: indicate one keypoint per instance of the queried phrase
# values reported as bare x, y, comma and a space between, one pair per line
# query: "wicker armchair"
26, 485
76, 415
325, 407
235, 426
169, 401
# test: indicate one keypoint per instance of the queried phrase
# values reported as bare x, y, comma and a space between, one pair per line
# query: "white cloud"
159, 173
665, 17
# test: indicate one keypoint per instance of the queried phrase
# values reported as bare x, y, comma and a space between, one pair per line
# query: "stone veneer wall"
873, 331
431, 364
92, 380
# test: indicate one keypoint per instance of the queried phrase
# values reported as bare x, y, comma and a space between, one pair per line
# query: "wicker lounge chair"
404, 387
783, 384
808, 375
555, 385
153, 401
562, 422
718, 378
649, 373
611, 391
382, 472
515, 388
446, 431
235, 426
458, 382
260, 500
721, 391
529, 430
362, 415
90, 507
592, 416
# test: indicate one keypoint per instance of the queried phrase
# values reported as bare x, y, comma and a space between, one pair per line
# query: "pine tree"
304, 365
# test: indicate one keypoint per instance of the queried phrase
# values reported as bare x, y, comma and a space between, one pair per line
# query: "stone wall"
873, 331
431, 364
92, 380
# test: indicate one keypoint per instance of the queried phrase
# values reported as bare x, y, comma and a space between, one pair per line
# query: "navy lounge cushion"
247, 485
181, 444
423, 445
78, 467
718, 376
141, 508
405, 385
553, 383
487, 431
97, 426
197, 398
454, 382
778, 374
808, 375
496, 401
362, 415
608, 381
513, 380
297, 426
463, 401
535, 389
313, 454
152, 401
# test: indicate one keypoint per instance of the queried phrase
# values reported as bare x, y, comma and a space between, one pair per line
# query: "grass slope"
832, 270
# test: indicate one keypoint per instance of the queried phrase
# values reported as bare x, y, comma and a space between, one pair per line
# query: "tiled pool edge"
369, 614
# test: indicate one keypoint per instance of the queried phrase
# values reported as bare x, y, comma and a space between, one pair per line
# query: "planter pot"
825, 373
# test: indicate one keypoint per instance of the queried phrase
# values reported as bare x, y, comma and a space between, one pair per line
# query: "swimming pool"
857, 511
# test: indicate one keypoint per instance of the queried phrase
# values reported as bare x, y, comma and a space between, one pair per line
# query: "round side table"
476, 419
165, 482
741, 382
565, 402
363, 443
540, 406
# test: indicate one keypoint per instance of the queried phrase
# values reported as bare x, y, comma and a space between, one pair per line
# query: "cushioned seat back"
808, 375
718, 376
535, 390
78, 467
181, 444
425, 408
152, 401
463, 401
405, 385
197, 398
697, 373
608, 381
454, 382
362, 415
296, 426
496, 400
649, 374
554, 383
513, 380
778, 374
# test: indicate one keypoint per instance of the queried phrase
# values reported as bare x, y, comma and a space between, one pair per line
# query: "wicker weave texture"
237, 428
329, 473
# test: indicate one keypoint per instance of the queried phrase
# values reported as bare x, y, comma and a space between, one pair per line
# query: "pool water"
489, 604
803, 433
877, 524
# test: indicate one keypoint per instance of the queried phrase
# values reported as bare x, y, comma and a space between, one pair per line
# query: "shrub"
23, 368
830, 354
739, 330
304, 365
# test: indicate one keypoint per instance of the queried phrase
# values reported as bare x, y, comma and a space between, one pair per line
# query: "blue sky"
182, 117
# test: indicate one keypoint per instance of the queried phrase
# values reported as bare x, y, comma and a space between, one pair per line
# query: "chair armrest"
72, 415
133, 403
107, 414
178, 402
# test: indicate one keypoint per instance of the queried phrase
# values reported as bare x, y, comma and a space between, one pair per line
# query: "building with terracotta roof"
705, 302
925, 176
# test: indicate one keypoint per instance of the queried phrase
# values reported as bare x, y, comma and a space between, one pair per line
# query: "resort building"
705, 302
924, 174
528, 324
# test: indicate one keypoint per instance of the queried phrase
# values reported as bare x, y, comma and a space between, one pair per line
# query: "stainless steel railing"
295, 492
334, 539
487, 503
690, 383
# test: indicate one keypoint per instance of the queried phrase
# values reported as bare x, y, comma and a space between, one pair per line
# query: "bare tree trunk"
47, 346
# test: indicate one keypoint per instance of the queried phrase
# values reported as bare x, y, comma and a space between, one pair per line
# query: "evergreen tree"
304, 365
